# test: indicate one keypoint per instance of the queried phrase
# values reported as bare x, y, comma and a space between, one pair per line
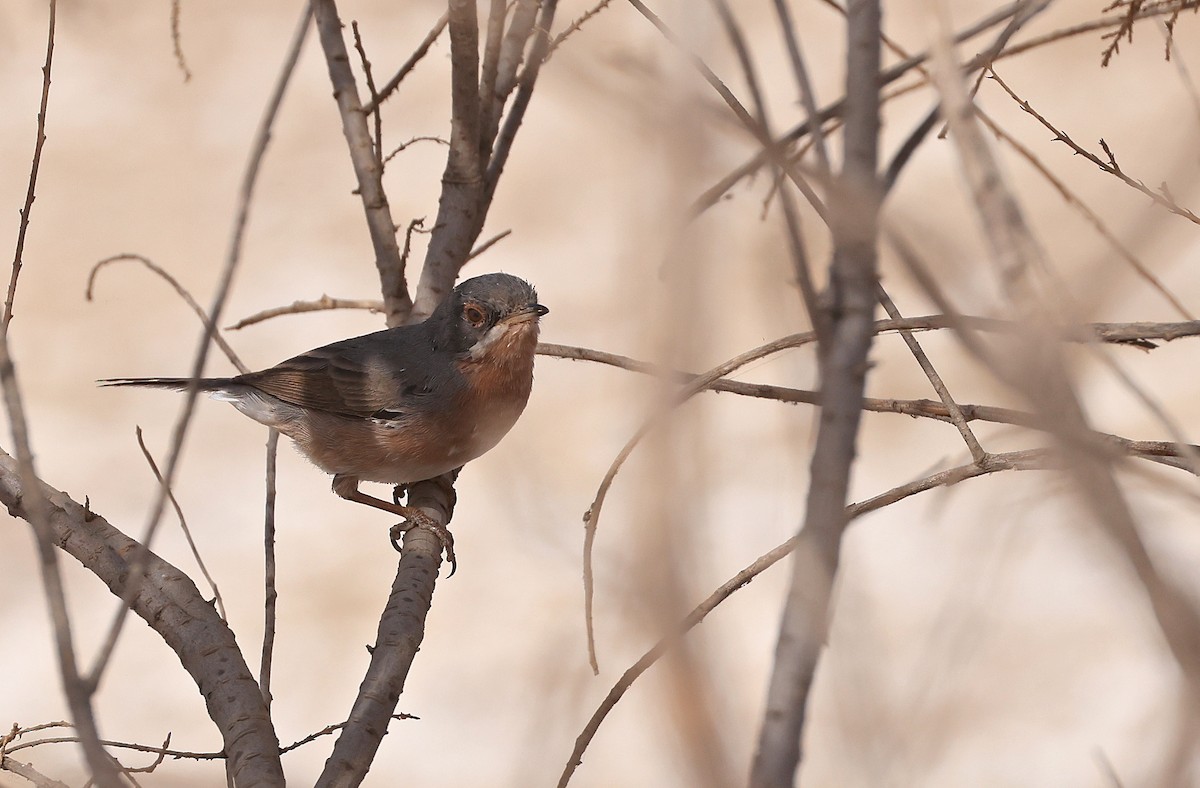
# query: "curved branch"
171, 604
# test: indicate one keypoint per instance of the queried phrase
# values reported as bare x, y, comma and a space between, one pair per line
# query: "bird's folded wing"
344, 384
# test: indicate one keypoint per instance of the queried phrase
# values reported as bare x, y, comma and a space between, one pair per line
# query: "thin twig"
804, 86
299, 307
757, 126
1167, 453
187, 532
368, 171
488, 244
1020, 460
177, 40
956, 416
269, 593
572, 28
402, 146
149, 768
366, 67
180, 289
422, 49
1088, 214
78, 691
1161, 198
591, 517
38, 144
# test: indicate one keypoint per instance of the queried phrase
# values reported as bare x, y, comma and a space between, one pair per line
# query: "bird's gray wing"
373, 376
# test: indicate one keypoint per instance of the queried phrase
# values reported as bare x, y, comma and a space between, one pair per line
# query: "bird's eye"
474, 315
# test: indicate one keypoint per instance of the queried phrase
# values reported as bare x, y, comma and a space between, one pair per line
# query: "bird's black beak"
525, 314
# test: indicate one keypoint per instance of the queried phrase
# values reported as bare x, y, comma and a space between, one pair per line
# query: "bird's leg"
347, 487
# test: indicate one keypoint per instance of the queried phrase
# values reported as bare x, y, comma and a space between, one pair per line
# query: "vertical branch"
77, 690
460, 212
33, 174
509, 58
487, 80
516, 114
807, 98
367, 169
843, 364
401, 630
269, 595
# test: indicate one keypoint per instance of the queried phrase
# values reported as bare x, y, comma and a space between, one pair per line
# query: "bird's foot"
398, 493
415, 518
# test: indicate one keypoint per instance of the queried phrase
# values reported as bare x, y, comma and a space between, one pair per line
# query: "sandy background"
985, 635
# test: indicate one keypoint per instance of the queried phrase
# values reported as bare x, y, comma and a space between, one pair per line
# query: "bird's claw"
426, 523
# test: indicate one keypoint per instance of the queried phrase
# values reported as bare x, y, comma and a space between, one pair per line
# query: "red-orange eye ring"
474, 315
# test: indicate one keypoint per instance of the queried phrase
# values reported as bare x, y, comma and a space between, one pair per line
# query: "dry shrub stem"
842, 361
1038, 372
270, 595
1108, 165
367, 167
182, 292
183, 526
417, 56
468, 183
77, 688
1031, 459
834, 110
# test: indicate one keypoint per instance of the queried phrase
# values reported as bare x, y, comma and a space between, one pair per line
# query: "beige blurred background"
984, 635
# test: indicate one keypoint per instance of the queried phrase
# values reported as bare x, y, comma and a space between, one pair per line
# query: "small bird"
400, 405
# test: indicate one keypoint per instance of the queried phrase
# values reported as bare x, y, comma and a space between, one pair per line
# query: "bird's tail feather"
174, 384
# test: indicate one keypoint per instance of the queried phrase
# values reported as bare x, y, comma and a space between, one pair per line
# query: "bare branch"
1161, 198
187, 532
367, 168
572, 28
183, 292
299, 307
851, 299
38, 144
401, 630
29, 773
956, 416
177, 40
460, 212
1041, 377
174, 608
269, 593
366, 67
422, 49
1021, 460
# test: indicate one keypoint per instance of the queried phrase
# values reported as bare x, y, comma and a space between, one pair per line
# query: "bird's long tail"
174, 384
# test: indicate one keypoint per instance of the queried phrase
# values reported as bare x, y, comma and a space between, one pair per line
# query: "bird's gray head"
483, 309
